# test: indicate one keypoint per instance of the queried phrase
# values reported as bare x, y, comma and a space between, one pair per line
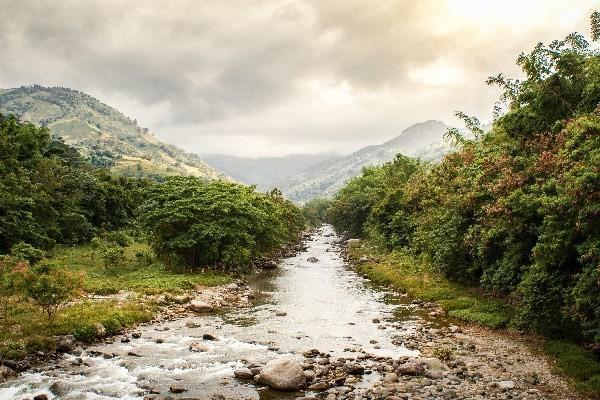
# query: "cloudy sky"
276, 77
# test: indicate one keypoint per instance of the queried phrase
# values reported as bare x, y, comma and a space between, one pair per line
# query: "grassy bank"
25, 329
418, 279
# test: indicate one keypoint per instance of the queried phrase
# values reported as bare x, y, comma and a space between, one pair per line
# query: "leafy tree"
198, 223
51, 287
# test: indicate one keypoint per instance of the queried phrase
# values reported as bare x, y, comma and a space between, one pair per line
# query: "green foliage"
576, 363
197, 223
515, 211
26, 252
50, 195
50, 287
315, 211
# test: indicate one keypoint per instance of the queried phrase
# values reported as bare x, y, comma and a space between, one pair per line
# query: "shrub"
51, 287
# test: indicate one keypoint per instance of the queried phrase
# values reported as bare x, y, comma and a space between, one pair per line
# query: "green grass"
418, 279
131, 275
580, 366
26, 329
414, 277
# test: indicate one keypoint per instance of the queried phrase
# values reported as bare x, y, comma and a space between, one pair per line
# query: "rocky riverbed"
310, 328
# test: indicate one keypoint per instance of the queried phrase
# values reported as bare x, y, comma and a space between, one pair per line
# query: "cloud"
277, 76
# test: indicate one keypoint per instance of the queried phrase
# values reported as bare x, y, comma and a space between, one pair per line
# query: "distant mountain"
101, 133
423, 140
266, 172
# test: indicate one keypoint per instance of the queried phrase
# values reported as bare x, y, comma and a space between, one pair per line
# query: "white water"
329, 307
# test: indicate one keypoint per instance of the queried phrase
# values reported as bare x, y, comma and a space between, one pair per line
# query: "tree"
51, 287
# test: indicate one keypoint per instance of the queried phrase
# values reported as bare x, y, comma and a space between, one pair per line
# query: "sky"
269, 78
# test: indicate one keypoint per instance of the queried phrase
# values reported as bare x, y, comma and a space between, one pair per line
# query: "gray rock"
64, 343
5, 373
312, 259
198, 347
282, 374
243, 373
199, 306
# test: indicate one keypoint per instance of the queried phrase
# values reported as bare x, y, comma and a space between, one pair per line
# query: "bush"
51, 287
198, 223
26, 252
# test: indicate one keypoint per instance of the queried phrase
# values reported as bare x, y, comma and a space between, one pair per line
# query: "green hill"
101, 133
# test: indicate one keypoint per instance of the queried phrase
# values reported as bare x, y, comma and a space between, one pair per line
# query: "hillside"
101, 133
266, 172
423, 140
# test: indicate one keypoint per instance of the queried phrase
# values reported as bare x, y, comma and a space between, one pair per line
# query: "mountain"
101, 133
266, 172
423, 140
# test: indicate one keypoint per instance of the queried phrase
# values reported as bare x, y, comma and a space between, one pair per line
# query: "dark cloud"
279, 72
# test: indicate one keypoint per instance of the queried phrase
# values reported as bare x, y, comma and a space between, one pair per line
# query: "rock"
198, 347
192, 324
159, 340
5, 373
280, 314
282, 374
59, 389
41, 397
312, 259
199, 306
268, 264
64, 343
243, 373
505, 385
133, 354
208, 336
136, 335
312, 353
125, 340
363, 260
319, 386
353, 243
177, 389
411, 368
99, 329
390, 378
354, 369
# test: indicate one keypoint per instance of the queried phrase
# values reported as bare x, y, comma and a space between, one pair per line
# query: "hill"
101, 133
423, 140
266, 172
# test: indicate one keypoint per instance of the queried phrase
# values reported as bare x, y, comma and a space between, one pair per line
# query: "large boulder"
283, 374
200, 306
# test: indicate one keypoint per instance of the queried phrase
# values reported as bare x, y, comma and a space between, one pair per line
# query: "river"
328, 307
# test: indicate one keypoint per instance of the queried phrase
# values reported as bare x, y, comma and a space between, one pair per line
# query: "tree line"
50, 195
516, 210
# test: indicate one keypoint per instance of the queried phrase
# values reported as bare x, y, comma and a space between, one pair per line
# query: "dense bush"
515, 210
49, 195
197, 223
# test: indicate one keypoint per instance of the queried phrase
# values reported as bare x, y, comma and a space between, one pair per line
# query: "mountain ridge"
424, 140
102, 133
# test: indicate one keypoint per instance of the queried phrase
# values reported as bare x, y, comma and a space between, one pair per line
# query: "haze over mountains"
110, 139
303, 177
101, 133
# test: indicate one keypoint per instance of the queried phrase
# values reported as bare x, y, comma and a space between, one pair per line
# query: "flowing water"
329, 307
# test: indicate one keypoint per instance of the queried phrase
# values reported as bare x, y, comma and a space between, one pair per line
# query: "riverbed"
313, 300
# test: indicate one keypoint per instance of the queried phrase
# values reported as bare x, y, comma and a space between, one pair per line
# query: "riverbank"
578, 367
140, 290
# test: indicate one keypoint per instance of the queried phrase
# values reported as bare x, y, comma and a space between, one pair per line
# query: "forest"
516, 210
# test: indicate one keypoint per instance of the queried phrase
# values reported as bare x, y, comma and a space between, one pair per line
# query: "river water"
329, 307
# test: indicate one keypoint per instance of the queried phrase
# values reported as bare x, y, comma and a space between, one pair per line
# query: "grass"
133, 275
26, 329
577, 364
418, 279
414, 277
